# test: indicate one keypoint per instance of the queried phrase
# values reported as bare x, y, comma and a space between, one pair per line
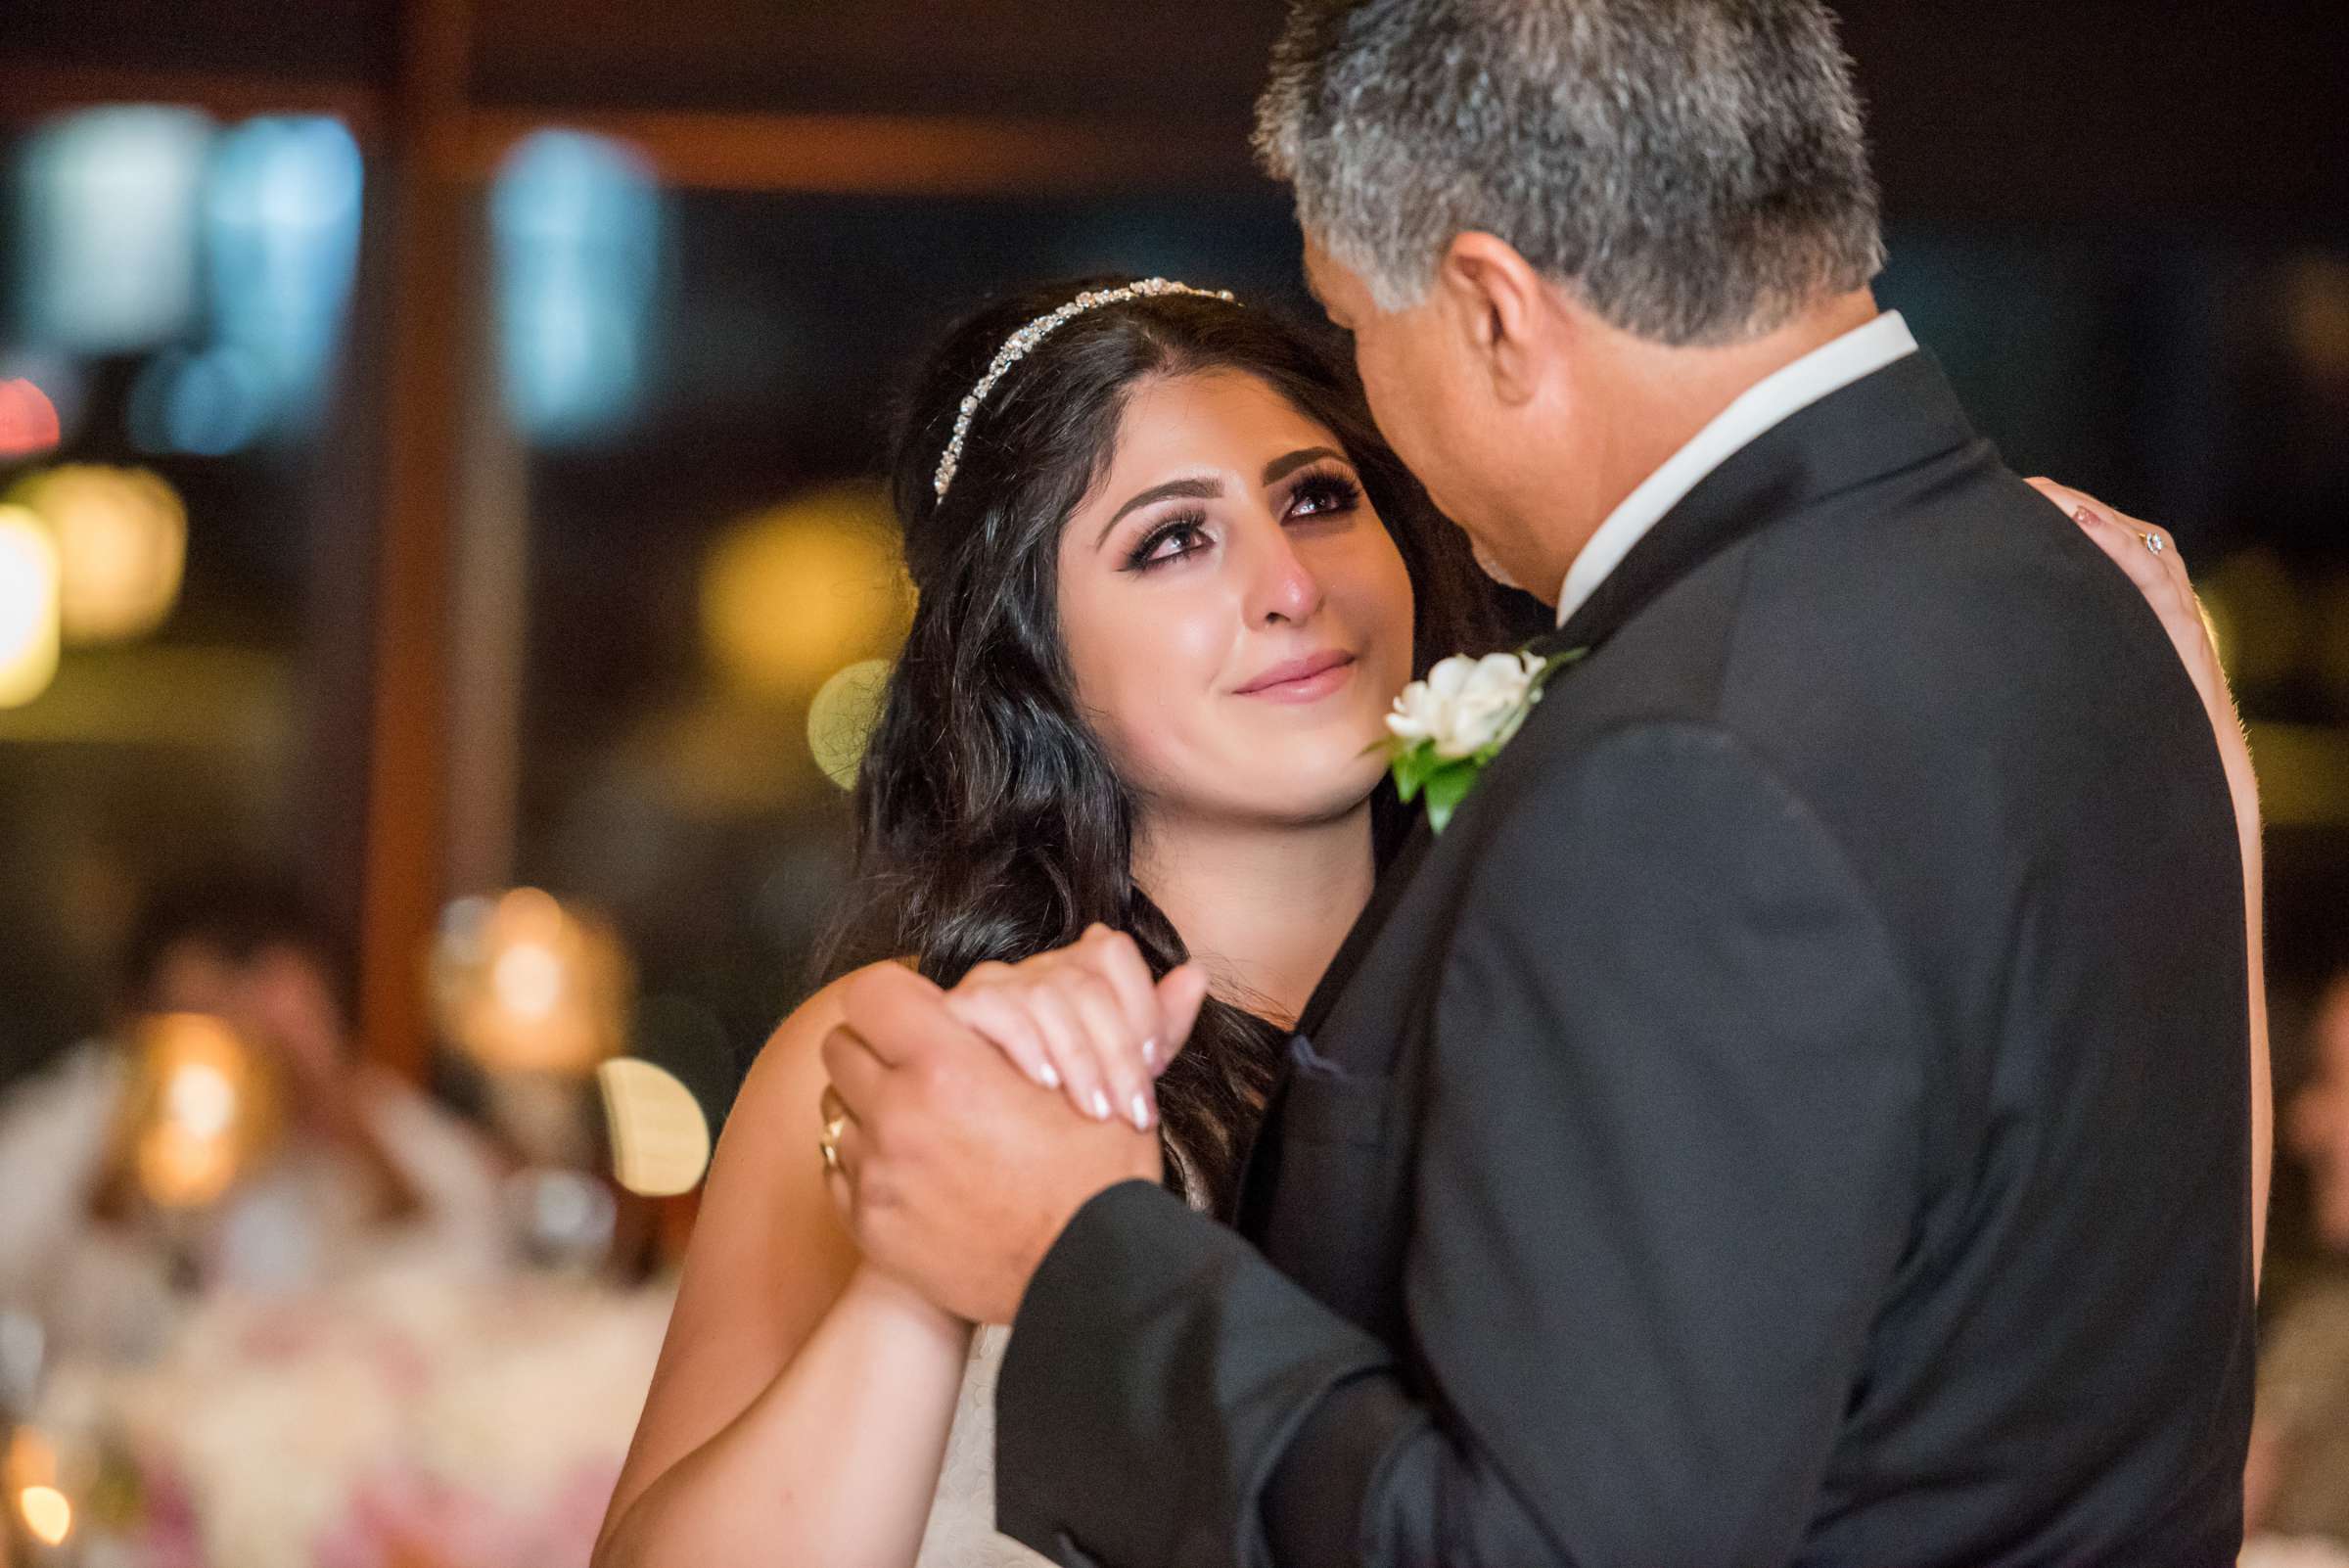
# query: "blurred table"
414, 1415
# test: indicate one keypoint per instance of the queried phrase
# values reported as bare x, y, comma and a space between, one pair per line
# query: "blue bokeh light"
111, 204
576, 220
281, 210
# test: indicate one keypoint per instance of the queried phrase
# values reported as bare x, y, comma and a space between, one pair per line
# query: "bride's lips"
1303, 680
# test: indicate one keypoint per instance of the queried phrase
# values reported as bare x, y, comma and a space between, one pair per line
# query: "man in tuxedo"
1798, 1110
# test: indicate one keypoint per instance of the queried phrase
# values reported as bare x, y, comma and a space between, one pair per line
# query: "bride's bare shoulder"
766, 1210
788, 1077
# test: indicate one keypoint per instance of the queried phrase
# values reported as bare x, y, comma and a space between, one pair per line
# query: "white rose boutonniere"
1445, 728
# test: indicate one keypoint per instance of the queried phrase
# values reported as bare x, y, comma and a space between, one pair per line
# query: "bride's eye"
1171, 541
1325, 495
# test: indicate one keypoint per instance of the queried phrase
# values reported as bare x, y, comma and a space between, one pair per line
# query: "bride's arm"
802, 1402
2163, 581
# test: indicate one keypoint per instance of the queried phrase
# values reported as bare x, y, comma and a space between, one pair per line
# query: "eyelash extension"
1142, 560
1333, 494
1336, 492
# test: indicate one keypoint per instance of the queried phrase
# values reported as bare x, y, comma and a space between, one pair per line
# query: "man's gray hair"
1694, 169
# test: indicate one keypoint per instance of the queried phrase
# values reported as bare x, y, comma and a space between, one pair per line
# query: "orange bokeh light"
48, 1515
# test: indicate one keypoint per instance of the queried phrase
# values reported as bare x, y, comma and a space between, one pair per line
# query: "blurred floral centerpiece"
437, 1425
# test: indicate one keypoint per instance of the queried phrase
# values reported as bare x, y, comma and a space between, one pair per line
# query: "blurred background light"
110, 200
28, 607
2316, 311
62, 380
2261, 620
2332, 638
787, 593
2303, 773
48, 1515
660, 1137
207, 403
576, 228
205, 1111
28, 421
840, 719
524, 984
564, 1219
31, 1458
122, 538
281, 229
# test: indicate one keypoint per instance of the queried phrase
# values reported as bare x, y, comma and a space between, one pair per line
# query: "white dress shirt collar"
1831, 367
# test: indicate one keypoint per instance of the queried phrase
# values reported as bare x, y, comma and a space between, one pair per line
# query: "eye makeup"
1318, 493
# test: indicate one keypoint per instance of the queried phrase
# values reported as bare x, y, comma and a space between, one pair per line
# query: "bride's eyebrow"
1188, 490
1281, 468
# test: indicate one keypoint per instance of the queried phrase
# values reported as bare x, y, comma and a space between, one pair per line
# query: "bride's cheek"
1378, 607
1149, 682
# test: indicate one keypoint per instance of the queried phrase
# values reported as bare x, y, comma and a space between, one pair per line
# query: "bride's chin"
1331, 794
1272, 777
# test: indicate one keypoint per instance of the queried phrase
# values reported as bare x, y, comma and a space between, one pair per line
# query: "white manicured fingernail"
1141, 1113
1150, 1053
1049, 1075
1100, 1105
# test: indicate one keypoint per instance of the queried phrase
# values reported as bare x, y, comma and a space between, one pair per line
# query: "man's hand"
955, 1171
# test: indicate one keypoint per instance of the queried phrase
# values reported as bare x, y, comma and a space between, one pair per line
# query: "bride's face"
1235, 615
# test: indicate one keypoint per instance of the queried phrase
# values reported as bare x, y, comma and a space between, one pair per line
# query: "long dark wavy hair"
989, 823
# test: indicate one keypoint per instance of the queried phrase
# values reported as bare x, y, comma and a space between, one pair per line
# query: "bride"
1169, 581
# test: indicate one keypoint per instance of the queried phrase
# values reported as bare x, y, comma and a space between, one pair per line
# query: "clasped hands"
975, 1122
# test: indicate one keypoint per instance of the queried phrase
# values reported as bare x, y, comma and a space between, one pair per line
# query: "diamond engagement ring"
2154, 541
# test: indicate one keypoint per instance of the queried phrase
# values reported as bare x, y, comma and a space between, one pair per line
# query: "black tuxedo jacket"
1798, 1112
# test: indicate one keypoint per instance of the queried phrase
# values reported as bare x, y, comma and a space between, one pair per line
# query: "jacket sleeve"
1664, 1165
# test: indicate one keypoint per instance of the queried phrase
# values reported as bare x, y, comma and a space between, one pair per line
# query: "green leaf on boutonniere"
1410, 769
1447, 790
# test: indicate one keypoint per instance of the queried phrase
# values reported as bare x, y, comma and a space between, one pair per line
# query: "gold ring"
835, 1113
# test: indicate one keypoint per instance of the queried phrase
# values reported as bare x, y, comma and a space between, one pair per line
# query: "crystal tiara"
1018, 345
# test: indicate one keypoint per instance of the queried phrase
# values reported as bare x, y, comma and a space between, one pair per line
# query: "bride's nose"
1281, 586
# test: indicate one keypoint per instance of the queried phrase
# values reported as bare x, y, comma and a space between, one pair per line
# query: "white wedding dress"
961, 1533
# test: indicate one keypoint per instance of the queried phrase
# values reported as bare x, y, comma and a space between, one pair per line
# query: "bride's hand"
1087, 1019
2161, 577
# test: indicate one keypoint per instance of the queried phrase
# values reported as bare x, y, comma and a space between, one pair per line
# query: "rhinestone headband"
1023, 341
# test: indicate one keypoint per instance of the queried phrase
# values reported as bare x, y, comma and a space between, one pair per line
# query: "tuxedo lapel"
1392, 881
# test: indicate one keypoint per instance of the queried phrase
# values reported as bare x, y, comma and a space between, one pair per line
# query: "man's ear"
1497, 307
